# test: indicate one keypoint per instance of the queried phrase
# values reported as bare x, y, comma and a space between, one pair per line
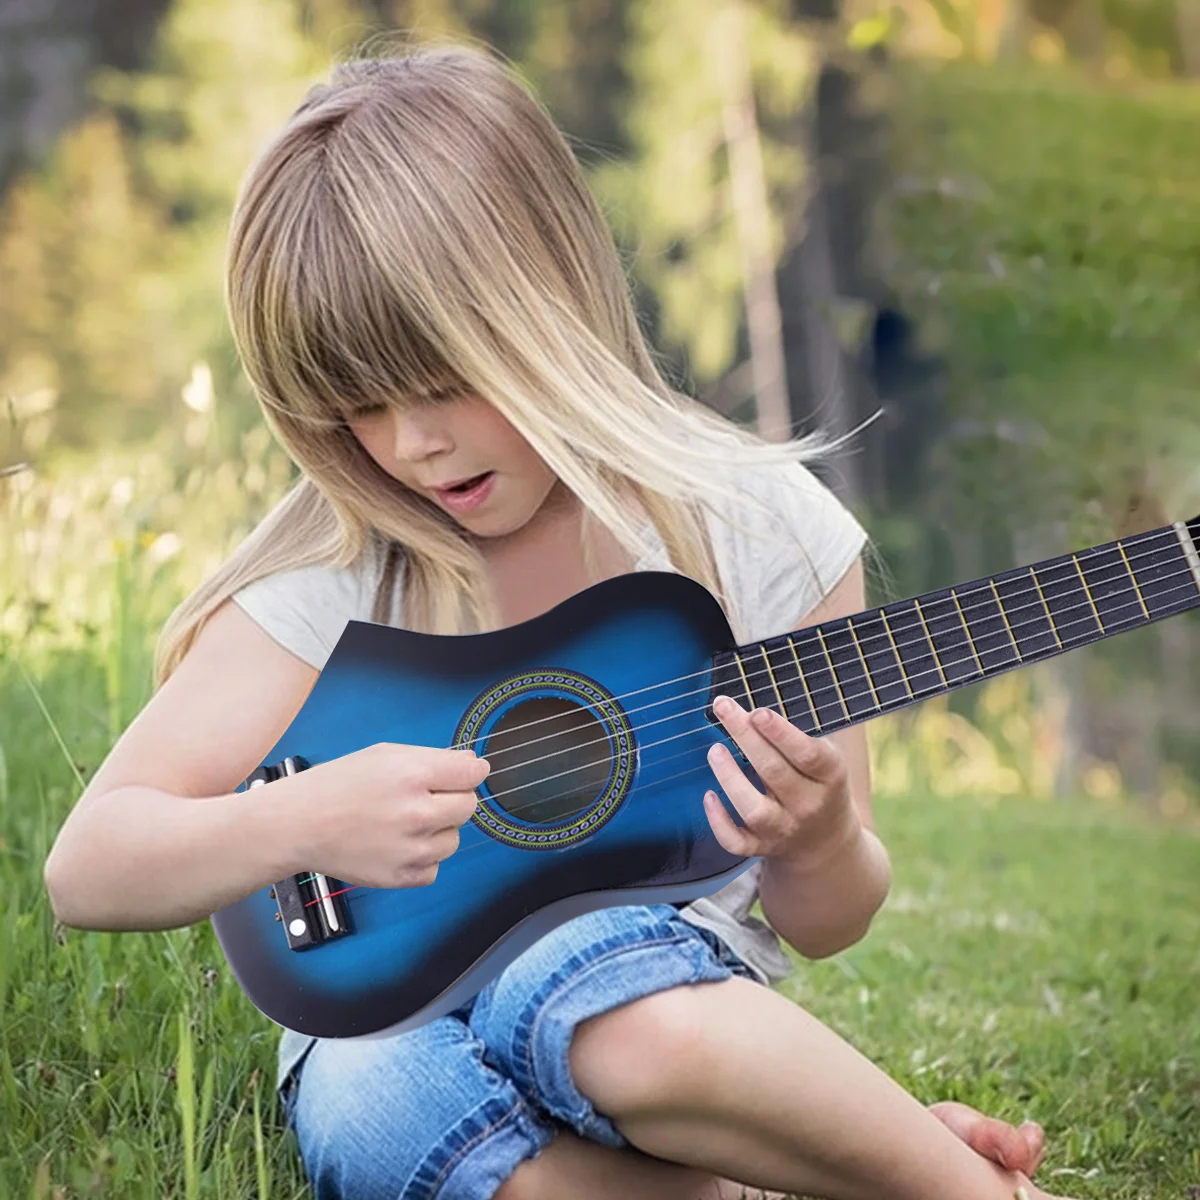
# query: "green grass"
1038, 961
1035, 960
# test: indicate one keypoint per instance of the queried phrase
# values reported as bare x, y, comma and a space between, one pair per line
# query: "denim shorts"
450, 1109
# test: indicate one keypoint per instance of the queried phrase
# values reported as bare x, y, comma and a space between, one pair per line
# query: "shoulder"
306, 608
786, 547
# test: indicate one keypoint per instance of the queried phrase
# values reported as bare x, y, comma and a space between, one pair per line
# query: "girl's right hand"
385, 815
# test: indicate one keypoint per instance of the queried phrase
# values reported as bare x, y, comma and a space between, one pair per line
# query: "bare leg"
583, 1170
738, 1081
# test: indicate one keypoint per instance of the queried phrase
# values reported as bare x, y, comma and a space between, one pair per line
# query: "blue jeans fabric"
451, 1109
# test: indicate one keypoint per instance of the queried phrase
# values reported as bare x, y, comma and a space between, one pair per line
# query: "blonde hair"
420, 222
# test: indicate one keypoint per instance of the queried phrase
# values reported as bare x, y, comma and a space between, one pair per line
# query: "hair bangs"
345, 342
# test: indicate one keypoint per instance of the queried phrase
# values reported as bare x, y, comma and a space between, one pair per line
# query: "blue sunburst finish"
416, 953
614, 688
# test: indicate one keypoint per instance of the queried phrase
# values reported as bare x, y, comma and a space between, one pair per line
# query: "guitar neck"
825, 677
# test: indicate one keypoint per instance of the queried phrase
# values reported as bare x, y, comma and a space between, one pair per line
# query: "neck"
828, 676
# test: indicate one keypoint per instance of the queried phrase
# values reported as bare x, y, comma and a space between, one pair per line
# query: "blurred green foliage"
112, 252
1048, 238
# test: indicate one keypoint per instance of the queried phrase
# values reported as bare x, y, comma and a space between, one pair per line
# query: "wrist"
284, 819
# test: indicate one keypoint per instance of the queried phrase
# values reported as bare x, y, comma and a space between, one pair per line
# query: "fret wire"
866, 667
746, 682
774, 682
1159, 579
1013, 576
1012, 636
1154, 567
1136, 586
958, 682
1088, 590
807, 694
1049, 615
896, 652
932, 647
967, 628
1091, 598
795, 704
1156, 535
1132, 599
833, 672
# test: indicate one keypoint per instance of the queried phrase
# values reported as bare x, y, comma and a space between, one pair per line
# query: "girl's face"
439, 442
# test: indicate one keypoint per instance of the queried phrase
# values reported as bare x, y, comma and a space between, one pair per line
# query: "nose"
419, 433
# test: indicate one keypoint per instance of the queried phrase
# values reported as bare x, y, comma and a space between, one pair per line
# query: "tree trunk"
751, 208
1187, 19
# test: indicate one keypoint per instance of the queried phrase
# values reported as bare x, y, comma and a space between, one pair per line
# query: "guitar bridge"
311, 906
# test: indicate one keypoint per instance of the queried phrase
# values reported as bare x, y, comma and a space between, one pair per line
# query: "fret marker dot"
297, 927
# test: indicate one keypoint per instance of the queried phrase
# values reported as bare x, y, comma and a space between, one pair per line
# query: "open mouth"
468, 484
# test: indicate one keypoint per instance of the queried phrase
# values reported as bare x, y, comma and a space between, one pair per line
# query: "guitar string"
839, 721
687, 712
822, 661
842, 723
825, 663
434, 902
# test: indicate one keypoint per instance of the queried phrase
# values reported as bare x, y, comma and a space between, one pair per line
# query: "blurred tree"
47, 50
676, 201
1188, 16
1047, 238
114, 251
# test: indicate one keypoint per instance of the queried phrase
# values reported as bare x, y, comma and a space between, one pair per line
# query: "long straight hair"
420, 223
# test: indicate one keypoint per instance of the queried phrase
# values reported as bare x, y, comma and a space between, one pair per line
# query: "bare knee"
644, 1055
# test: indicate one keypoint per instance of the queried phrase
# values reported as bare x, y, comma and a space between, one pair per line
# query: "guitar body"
596, 719
597, 804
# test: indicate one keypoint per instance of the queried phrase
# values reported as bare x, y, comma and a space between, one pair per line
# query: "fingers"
737, 841
453, 808
751, 805
775, 747
450, 770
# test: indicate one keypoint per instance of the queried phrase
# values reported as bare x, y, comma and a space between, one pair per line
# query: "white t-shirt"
306, 610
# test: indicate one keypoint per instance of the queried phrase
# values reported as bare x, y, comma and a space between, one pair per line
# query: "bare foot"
1017, 1149
727, 1189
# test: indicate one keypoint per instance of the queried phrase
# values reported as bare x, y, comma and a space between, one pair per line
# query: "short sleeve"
773, 577
305, 610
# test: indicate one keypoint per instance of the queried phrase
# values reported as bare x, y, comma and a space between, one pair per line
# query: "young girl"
435, 319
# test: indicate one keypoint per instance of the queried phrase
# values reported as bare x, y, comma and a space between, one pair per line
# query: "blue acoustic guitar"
596, 718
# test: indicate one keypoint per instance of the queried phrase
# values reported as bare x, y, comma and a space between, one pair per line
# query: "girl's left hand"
807, 808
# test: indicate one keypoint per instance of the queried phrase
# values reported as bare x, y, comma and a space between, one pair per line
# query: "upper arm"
229, 700
846, 598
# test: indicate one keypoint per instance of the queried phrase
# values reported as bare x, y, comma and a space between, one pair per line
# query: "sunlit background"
974, 225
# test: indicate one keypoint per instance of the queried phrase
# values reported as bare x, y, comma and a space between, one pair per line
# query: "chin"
489, 525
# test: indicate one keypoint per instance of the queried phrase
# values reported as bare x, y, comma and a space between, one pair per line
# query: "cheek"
523, 458
372, 439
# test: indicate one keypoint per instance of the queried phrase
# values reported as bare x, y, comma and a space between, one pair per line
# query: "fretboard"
827, 676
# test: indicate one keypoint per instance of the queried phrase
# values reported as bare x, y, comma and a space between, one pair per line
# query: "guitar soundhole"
546, 772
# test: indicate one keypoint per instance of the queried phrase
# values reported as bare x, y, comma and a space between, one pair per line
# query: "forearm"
825, 903
140, 858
